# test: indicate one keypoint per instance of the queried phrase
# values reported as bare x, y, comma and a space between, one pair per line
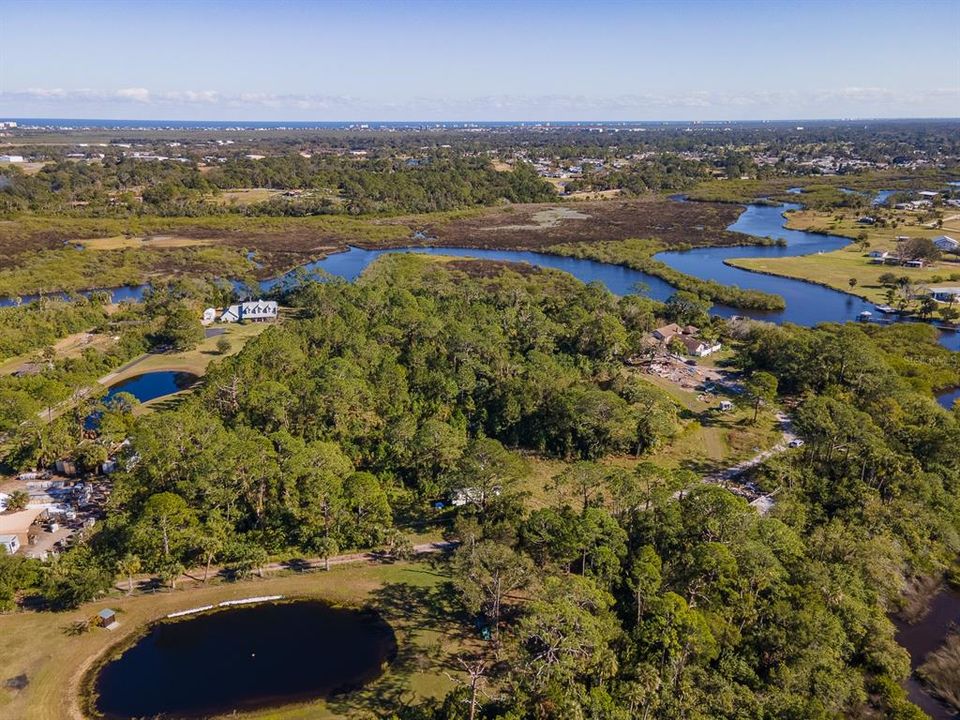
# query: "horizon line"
11, 118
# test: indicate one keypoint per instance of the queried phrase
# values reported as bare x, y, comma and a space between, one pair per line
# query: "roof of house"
106, 612
7, 539
671, 329
692, 344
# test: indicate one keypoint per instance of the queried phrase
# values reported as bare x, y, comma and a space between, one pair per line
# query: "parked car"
796, 442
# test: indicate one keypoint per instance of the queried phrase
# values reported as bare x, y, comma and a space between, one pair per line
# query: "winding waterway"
806, 303
922, 638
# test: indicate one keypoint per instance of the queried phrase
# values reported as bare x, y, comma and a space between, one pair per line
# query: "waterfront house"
667, 332
10, 543
252, 311
945, 294
106, 618
697, 347
945, 243
878, 257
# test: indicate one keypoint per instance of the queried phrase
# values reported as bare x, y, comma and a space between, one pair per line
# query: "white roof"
7, 539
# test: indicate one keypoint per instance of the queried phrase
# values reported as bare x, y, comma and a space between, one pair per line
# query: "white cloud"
697, 104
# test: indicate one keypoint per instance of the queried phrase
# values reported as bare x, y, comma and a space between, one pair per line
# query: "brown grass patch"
490, 268
523, 226
941, 671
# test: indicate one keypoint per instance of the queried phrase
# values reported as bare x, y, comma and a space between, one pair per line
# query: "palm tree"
129, 565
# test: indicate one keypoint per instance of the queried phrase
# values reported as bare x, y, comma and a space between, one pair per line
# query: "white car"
796, 442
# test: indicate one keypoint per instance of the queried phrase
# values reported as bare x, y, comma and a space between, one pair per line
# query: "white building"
209, 316
697, 347
945, 294
253, 311
947, 244
10, 543
11, 158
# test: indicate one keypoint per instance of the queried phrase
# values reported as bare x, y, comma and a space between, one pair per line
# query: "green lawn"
834, 269
192, 361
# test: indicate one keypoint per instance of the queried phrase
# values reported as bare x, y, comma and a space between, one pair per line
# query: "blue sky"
473, 60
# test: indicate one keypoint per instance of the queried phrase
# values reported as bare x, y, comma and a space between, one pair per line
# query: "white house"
11, 158
10, 543
253, 311
696, 346
878, 257
945, 294
471, 496
947, 244
209, 316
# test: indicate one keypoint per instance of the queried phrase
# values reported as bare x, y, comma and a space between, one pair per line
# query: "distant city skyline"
482, 61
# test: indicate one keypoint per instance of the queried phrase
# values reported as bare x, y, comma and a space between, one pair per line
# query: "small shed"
726, 406
10, 544
106, 618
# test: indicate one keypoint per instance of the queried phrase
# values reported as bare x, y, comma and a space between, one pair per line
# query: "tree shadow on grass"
298, 565
425, 620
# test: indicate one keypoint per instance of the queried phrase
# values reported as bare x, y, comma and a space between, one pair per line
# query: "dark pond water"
243, 659
152, 385
922, 638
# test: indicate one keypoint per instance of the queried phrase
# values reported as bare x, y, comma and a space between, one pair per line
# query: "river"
923, 637
806, 303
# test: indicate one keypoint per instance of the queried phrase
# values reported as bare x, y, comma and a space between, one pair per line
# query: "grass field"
245, 196
67, 347
835, 270
711, 441
192, 361
410, 596
154, 242
844, 223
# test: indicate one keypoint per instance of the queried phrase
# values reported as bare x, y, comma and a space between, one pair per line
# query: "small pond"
152, 385
123, 293
243, 659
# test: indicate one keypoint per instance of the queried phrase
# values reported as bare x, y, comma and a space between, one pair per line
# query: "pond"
123, 293
152, 385
244, 659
